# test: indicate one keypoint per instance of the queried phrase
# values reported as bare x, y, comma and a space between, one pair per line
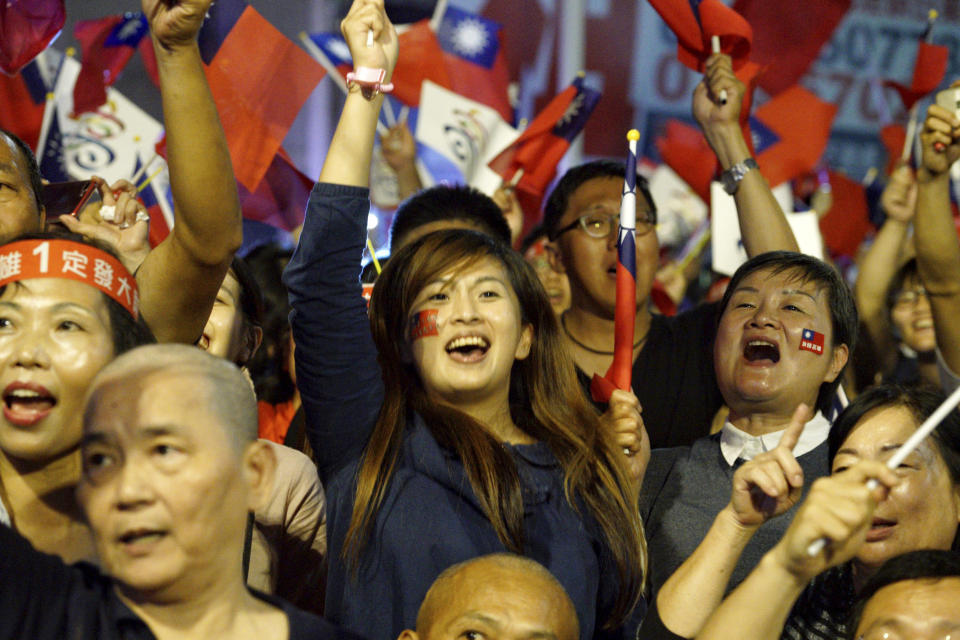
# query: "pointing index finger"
791, 436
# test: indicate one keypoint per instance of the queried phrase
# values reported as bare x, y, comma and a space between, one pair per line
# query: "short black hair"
559, 198
843, 311
445, 202
926, 564
33, 169
921, 401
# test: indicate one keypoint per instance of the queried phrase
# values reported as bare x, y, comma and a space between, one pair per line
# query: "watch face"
729, 182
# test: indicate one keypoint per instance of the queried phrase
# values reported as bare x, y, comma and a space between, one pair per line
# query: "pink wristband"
370, 79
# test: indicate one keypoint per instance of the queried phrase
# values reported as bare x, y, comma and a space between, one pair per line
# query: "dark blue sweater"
430, 518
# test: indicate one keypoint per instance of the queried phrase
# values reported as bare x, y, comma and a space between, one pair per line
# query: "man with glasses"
673, 356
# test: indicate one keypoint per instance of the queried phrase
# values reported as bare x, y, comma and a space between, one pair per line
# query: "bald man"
171, 468
497, 597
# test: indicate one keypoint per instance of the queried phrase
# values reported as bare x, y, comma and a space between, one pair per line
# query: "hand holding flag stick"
904, 451
619, 374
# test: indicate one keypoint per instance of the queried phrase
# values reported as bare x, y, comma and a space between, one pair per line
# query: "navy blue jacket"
430, 518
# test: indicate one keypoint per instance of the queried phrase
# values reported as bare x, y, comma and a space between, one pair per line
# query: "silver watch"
731, 177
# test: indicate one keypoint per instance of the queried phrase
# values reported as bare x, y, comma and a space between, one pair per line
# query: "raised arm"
179, 279
763, 488
337, 372
879, 265
763, 225
839, 508
938, 253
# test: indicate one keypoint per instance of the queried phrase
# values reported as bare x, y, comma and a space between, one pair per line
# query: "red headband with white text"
27, 259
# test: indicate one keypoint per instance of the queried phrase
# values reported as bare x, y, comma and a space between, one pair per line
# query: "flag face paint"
812, 341
423, 324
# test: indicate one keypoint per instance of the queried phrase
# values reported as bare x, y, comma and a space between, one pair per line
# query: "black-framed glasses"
601, 225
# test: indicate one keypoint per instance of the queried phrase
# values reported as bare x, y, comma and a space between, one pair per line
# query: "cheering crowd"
432, 464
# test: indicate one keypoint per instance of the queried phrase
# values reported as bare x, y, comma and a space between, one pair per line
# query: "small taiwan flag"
424, 324
811, 341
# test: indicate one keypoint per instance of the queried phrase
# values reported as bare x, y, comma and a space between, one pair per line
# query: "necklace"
563, 323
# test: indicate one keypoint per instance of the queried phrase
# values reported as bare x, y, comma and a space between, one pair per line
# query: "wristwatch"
731, 177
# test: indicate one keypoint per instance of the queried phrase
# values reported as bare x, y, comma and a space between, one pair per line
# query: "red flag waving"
684, 149
281, 198
538, 150
421, 58
246, 87
776, 23
696, 21
26, 28
22, 102
847, 222
107, 45
790, 133
928, 72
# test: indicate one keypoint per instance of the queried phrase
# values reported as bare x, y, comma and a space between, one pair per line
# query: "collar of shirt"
735, 443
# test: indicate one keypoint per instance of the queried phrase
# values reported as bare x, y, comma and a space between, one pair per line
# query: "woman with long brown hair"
472, 435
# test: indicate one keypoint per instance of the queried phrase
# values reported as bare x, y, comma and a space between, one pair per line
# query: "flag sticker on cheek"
811, 341
423, 324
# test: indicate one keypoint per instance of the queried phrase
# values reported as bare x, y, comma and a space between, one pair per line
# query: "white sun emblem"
572, 110
470, 37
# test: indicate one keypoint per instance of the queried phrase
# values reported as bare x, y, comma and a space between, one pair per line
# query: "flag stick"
715, 45
516, 178
404, 114
901, 454
388, 112
373, 254
317, 54
437, 18
149, 180
911, 133
142, 170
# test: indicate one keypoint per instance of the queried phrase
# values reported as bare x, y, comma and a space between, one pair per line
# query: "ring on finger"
626, 451
143, 216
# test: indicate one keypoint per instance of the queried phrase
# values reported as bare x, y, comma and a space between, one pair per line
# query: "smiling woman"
62, 319
472, 436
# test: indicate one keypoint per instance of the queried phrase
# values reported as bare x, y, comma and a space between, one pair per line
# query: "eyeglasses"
601, 225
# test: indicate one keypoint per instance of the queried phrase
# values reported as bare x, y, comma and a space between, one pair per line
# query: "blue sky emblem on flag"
129, 32
808, 334
763, 136
469, 36
577, 114
334, 47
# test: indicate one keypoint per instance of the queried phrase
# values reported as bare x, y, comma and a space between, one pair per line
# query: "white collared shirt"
735, 443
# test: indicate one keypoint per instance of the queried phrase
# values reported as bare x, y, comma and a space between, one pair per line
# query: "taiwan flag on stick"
530, 161
107, 45
928, 69
695, 21
625, 313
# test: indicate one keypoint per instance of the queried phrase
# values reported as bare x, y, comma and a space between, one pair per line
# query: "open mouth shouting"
25, 404
880, 529
140, 540
468, 349
761, 352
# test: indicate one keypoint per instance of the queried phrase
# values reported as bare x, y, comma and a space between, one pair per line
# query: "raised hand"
940, 138
838, 508
506, 198
399, 148
899, 198
624, 422
175, 23
707, 106
122, 223
771, 483
367, 16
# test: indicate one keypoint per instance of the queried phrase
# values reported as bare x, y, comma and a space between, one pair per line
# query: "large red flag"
26, 28
928, 72
893, 136
684, 149
538, 150
805, 24
847, 222
107, 45
695, 21
790, 133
